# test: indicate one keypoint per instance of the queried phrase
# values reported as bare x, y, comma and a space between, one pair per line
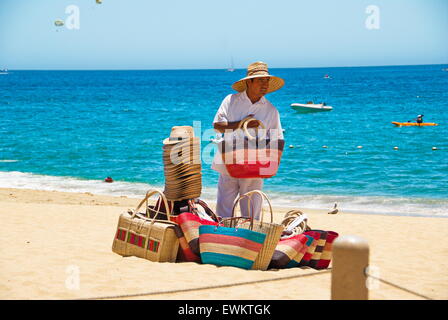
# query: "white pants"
228, 190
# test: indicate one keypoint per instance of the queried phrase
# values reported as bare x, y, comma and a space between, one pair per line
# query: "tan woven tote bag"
148, 238
272, 230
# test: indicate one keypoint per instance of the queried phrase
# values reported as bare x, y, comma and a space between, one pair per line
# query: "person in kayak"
419, 118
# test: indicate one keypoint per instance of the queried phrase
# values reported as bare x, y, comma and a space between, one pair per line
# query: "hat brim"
182, 172
183, 178
179, 143
180, 163
174, 180
181, 167
184, 140
180, 190
192, 196
182, 187
275, 83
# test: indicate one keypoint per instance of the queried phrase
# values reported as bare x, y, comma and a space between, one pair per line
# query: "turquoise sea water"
68, 130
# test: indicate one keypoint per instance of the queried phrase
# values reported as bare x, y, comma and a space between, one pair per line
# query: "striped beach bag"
287, 249
293, 244
185, 254
148, 238
234, 247
186, 247
295, 262
326, 256
190, 223
311, 248
273, 231
246, 156
319, 247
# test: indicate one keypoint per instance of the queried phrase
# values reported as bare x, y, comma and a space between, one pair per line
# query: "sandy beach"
50, 237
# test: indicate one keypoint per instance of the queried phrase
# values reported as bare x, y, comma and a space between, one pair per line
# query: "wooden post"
350, 259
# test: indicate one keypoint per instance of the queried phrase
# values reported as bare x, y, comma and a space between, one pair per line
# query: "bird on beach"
334, 211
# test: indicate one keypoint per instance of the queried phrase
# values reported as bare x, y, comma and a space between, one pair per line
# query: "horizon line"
189, 69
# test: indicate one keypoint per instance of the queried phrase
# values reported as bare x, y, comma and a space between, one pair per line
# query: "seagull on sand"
334, 211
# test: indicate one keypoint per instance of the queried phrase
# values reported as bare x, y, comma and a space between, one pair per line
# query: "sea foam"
359, 204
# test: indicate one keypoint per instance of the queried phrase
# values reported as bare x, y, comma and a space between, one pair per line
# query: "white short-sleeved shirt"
236, 107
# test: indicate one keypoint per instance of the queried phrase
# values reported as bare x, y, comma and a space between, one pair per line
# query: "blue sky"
203, 34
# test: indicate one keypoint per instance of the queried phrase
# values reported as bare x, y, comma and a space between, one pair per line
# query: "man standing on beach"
249, 101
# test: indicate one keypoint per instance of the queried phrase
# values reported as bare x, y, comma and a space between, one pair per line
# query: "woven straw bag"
272, 230
148, 238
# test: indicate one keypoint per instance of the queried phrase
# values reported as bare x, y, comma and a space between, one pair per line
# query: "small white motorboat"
310, 107
4, 71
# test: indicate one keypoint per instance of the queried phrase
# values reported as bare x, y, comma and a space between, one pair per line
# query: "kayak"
309, 107
410, 124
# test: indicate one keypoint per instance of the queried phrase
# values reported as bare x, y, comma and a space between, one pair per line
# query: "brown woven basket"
148, 238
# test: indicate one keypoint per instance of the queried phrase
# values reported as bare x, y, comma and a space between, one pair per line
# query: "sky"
209, 34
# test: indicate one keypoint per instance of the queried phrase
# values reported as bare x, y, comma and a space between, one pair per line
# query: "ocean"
68, 130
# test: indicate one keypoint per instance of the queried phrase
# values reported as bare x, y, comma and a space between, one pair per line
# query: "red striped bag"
319, 248
246, 156
287, 249
326, 256
295, 262
309, 253
189, 223
185, 254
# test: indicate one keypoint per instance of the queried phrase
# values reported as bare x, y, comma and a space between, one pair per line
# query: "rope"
207, 287
397, 286
247, 283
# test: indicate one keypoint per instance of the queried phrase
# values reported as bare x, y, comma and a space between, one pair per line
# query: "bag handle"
295, 221
191, 207
158, 204
206, 209
249, 196
148, 195
133, 215
243, 125
235, 225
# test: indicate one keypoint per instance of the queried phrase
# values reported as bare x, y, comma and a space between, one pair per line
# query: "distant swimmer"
108, 179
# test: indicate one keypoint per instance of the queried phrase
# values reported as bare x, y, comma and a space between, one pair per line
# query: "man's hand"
252, 124
221, 127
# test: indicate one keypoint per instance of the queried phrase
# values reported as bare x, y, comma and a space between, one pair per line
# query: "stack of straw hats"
182, 164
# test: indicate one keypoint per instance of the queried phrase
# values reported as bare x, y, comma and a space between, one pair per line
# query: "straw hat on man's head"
259, 69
